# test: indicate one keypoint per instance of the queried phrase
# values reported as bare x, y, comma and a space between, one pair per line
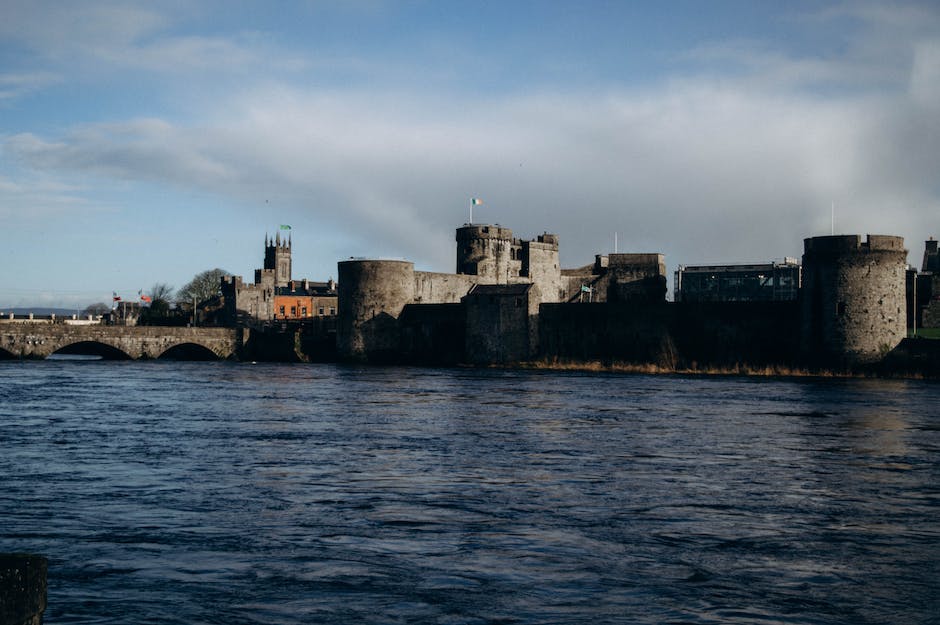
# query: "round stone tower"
487, 251
854, 304
371, 295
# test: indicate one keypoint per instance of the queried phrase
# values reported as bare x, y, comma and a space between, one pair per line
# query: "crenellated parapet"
488, 251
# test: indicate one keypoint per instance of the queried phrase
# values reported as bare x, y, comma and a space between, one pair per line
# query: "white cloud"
102, 37
17, 85
39, 197
705, 172
716, 166
925, 72
58, 30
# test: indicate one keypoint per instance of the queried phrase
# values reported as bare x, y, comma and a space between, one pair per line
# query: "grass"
693, 369
927, 333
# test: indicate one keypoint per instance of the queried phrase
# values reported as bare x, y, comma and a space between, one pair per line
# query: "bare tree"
161, 294
98, 308
203, 286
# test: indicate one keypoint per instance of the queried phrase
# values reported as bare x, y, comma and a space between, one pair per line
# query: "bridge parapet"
39, 340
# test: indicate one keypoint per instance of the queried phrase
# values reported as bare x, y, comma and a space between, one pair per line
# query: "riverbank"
746, 370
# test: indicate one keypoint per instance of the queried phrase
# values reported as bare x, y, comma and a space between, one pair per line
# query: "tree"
98, 308
158, 312
161, 294
203, 286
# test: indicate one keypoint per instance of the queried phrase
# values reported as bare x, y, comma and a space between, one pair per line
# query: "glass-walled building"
772, 282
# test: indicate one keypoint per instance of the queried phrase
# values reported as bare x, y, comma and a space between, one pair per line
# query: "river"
172, 492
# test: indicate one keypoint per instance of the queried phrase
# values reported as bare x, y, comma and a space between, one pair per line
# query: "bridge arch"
34, 340
92, 348
189, 351
6, 355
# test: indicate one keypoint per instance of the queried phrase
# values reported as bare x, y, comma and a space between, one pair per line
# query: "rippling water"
237, 493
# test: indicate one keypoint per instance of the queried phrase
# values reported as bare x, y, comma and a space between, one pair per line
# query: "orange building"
303, 306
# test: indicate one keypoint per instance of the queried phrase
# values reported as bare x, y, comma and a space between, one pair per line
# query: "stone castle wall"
502, 323
930, 316
372, 294
852, 310
854, 302
441, 288
540, 265
487, 251
716, 334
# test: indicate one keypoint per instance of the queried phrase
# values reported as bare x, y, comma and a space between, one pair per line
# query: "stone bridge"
39, 340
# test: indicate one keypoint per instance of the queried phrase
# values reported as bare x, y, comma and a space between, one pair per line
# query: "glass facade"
773, 282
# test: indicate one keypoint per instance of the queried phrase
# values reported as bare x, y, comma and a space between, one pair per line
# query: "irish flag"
475, 201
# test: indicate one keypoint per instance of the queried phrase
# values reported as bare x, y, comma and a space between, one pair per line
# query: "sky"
144, 142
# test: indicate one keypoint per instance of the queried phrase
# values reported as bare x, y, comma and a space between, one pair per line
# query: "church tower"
277, 259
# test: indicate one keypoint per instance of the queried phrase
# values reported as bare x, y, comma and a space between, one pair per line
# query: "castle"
510, 301
500, 280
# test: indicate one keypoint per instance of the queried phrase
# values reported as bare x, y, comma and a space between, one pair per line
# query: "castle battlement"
847, 243
469, 232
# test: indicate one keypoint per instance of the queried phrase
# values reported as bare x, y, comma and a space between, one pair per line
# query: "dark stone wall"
673, 335
730, 333
928, 299
718, 334
432, 334
912, 356
637, 333
310, 340
502, 325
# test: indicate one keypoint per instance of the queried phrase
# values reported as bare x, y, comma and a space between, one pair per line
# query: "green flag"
285, 227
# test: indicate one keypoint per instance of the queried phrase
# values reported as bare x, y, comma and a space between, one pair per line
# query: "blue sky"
144, 142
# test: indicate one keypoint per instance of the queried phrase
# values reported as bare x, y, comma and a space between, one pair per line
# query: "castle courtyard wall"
441, 288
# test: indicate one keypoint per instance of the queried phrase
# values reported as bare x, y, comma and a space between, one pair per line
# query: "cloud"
725, 163
57, 30
39, 197
103, 37
706, 171
14, 86
925, 72
146, 149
